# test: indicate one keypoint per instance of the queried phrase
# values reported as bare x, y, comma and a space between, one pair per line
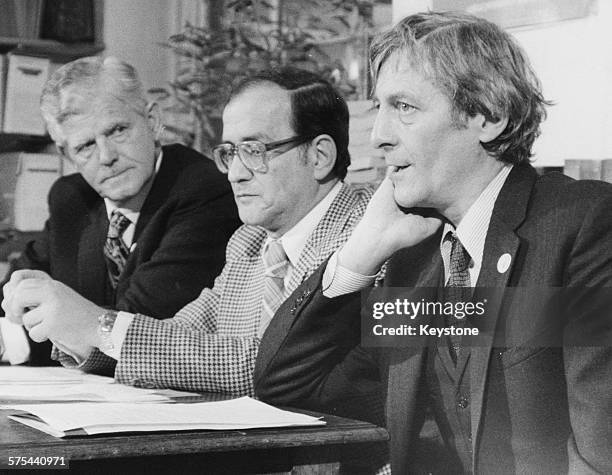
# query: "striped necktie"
457, 288
276, 266
115, 250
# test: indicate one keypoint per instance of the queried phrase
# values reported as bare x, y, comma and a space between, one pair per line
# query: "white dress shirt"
293, 242
473, 228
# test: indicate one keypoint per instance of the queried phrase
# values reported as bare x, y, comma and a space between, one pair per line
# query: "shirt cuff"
16, 344
118, 334
338, 280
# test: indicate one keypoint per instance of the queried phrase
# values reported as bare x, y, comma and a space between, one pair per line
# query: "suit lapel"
162, 185
331, 232
420, 268
325, 238
91, 265
498, 265
406, 365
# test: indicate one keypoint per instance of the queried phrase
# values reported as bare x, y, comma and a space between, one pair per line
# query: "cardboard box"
25, 80
583, 169
36, 173
2, 87
9, 163
606, 170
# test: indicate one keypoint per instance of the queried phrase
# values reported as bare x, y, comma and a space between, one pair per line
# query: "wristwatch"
106, 321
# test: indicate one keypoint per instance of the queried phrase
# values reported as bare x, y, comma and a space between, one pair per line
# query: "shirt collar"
129, 214
472, 230
294, 240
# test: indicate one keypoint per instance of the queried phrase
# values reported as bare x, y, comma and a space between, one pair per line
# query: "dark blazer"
180, 238
535, 408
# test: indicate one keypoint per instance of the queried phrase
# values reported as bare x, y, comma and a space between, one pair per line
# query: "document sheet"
22, 383
61, 420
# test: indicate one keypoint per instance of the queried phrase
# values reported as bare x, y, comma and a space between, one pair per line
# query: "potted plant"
243, 36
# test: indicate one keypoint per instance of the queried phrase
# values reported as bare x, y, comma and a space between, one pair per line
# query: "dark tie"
276, 265
457, 288
115, 250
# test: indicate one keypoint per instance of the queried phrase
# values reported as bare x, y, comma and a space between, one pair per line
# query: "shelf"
22, 142
60, 52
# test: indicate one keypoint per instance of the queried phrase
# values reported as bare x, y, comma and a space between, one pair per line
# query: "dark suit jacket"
181, 234
534, 408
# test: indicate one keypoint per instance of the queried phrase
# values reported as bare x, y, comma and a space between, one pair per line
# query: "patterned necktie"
115, 250
276, 266
457, 288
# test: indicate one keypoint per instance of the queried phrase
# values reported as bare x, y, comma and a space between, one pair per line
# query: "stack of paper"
32, 375
21, 383
100, 392
62, 420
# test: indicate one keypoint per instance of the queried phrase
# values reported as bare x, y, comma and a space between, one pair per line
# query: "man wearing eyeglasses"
285, 151
140, 227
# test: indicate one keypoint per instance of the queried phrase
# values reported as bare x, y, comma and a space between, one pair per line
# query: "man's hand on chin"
50, 310
384, 229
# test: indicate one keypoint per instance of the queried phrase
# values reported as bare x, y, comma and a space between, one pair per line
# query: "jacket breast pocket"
524, 354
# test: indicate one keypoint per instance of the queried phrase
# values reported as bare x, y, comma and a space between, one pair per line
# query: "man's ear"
322, 155
488, 129
154, 119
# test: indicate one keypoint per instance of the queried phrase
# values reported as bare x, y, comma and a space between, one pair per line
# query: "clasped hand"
50, 310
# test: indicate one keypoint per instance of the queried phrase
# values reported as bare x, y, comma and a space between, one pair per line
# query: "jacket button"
463, 402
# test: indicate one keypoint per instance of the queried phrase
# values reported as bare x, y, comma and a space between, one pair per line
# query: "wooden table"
301, 450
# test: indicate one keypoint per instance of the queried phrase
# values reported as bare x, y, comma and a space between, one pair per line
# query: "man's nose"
107, 151
237, 171
382, 132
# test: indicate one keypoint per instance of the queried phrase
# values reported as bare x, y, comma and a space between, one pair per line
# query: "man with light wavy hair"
464, 214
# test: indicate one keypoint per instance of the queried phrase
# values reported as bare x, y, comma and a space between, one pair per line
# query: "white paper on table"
101, 392
95, 418
24, 383
39, 375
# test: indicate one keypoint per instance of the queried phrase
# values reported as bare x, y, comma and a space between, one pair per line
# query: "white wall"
573, 59
132, 31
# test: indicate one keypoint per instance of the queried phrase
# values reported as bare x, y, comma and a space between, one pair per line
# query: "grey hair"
87, 76
479, 68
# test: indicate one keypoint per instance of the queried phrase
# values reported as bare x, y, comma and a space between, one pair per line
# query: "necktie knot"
275, 260
118, 224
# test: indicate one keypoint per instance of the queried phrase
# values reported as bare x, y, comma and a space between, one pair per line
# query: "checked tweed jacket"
211, 344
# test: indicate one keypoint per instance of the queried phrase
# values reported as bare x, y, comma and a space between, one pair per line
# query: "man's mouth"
114, 175
392, 169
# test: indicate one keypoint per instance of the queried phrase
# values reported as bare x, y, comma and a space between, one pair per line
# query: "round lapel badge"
503, 263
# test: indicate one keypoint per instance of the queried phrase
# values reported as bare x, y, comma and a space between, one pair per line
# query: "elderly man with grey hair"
140, 227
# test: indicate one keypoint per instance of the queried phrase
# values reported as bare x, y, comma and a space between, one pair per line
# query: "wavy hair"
479, 67
87, 76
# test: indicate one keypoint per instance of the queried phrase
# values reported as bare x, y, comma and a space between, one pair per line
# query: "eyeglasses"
253, 154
